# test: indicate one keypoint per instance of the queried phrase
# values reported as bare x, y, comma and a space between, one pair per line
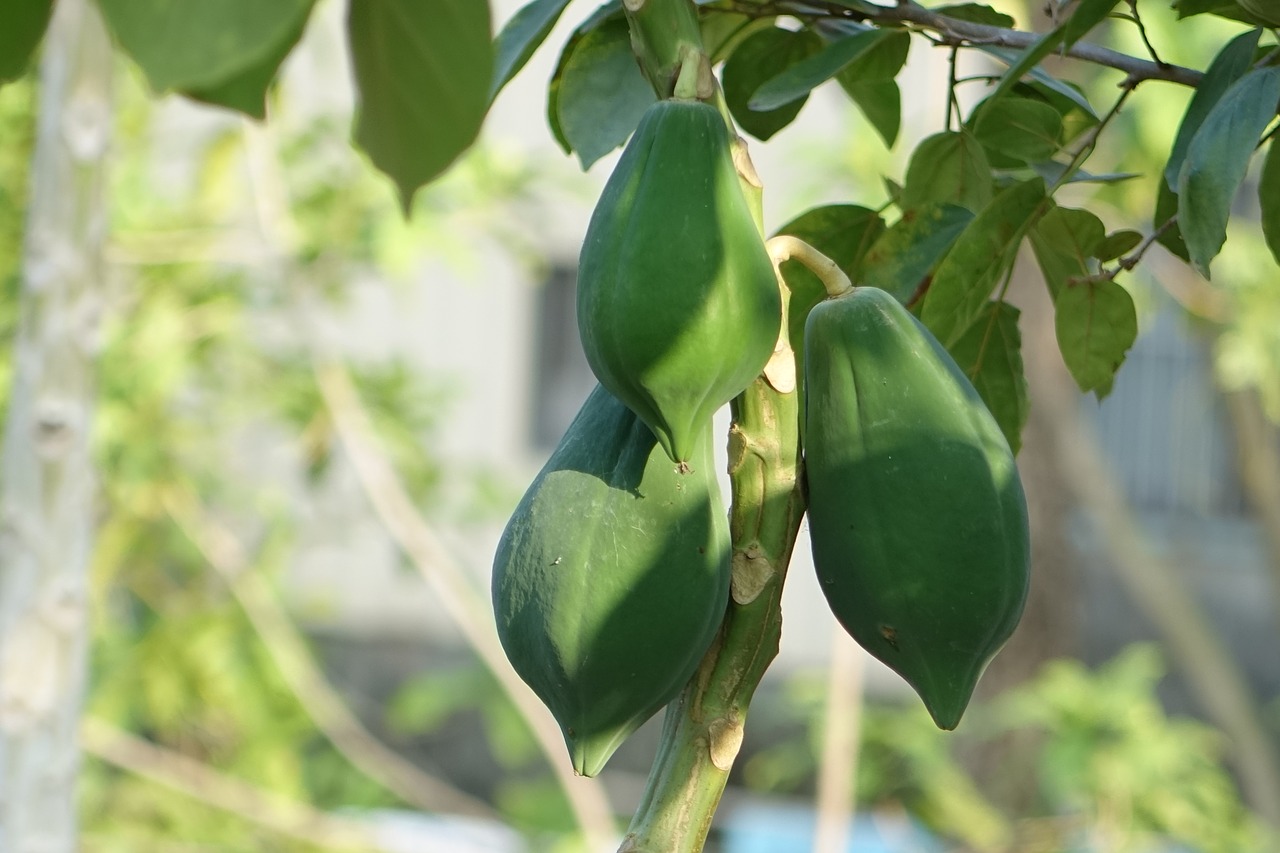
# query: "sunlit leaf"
1066, 241
948, 167
1096, 324
904, 254
1021, 128
520, 37
802, 77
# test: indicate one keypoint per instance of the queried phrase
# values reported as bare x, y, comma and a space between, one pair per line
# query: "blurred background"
314, 418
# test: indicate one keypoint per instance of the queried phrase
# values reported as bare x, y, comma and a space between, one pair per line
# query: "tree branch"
954, 31
223, 551
201, 782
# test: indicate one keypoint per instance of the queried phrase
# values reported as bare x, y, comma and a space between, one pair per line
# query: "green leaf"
975, 13
1041, 77
1218, 158
979, 260
902, 256
951, 167
22, 25
422, 82
1096, 325
183, 45
761, 57
1166, 208
246, 91
1066, 242
1020, 128
600, 94
520, 37
1117, 244
611, 11
842, 232
869, 83
1084, 17
990, 354
1269, 198
1227, 67
799, 79
1051, 171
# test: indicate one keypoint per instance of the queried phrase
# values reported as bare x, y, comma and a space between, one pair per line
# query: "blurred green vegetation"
1100, 766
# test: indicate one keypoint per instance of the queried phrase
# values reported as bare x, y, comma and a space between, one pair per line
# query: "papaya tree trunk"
46, 496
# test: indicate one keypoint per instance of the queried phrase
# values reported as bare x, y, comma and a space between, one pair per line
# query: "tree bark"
46, 497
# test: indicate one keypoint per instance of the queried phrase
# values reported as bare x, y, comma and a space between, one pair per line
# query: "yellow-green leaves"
22, 24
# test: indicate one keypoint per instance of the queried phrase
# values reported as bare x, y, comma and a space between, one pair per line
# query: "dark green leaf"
801, 78
1043, 78
1066, 242
1118, 244
1166, 209
1085, 15
950, 167
1096, 325
975, 13
601, 94
1051, 171
1218, 158
869, 83
22, 25
182, 45
979, 260
760, 57
422, 82
1227, 67
1222, 8
723, 31
520, 37
1269, 197
1020, 128
246, 91
842, 232
610, 11
990, 354
903, 255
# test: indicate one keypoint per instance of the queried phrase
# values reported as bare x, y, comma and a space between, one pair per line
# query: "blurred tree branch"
298, 667
201, 782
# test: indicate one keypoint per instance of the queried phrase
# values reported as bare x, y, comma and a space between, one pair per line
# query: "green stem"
663, 33
703, 728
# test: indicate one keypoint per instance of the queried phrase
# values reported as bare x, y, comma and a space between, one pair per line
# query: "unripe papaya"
678, 305
611, 577
917, 516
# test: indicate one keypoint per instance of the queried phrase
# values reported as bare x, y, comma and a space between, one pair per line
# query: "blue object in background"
772, 828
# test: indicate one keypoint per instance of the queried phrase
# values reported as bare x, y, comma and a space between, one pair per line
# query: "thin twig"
297, 666
199, 781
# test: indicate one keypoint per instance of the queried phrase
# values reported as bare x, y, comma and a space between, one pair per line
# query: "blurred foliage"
1109, 771
17, 129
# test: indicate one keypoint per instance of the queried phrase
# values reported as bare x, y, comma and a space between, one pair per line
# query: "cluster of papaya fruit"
612, 577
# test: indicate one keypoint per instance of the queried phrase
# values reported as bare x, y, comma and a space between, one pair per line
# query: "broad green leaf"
1265, 12
801, 78
422, 83
22, 25
601, 94
979, 260
246, 91
1118, 244
842, 232
1085, 15
1269, 198
1218, 158
1051, 171
520, 37
1227, 67
1096, 325
1229, 9
723, 31
869, 83
1020, 128
951, 167
611, 11
975, 13
760, 57
902, 256
183, 45
990, 354
1066, 242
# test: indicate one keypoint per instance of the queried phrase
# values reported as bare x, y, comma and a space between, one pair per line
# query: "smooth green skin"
678, 305
916, 511
611, 578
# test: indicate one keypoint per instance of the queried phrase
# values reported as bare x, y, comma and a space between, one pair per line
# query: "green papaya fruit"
917, 517
611, 577
678, 305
